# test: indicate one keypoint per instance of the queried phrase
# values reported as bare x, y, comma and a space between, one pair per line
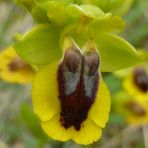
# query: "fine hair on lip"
78, 79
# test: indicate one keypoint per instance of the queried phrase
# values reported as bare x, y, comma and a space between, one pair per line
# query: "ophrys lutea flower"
133, 102
133, 109
70, 97
136, 83
13, 69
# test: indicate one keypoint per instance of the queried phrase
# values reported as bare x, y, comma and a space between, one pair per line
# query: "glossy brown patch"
135, 108
141, 79
78, 80
17, 64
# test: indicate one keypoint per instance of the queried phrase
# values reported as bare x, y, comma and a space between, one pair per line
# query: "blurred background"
19, 127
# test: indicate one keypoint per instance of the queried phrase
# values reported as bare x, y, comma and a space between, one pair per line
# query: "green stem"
145, 135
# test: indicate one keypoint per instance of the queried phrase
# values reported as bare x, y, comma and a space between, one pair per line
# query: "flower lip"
141, 79
78, 79
47, 106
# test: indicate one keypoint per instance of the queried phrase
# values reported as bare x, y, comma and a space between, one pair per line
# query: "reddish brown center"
135, 108
78, 79
17, 64
141, 79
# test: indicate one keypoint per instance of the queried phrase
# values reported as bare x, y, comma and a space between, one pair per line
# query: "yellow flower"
134, 110
13, 69
139, 109
133, 103
70, 97
136, 84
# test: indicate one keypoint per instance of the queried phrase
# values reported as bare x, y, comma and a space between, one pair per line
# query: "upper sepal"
117, 7
40, 45
116, 53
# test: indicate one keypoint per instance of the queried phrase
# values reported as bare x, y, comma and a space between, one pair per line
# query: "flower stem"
145, 135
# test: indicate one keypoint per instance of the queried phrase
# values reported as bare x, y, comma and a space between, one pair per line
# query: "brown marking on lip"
141, 79
72, 59
135, 108
92, 61
17, 64
75, 74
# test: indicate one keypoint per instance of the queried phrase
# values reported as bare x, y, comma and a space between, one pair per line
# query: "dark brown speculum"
135, 109
17, 64
78, 79
141, 79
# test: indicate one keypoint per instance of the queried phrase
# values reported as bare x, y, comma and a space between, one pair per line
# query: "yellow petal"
21, 77
137, 120
6, 56
88, 134
142, 101
55, 130
99, 112
45, 92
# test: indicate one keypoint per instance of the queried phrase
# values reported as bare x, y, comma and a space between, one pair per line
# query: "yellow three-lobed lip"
47, 106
